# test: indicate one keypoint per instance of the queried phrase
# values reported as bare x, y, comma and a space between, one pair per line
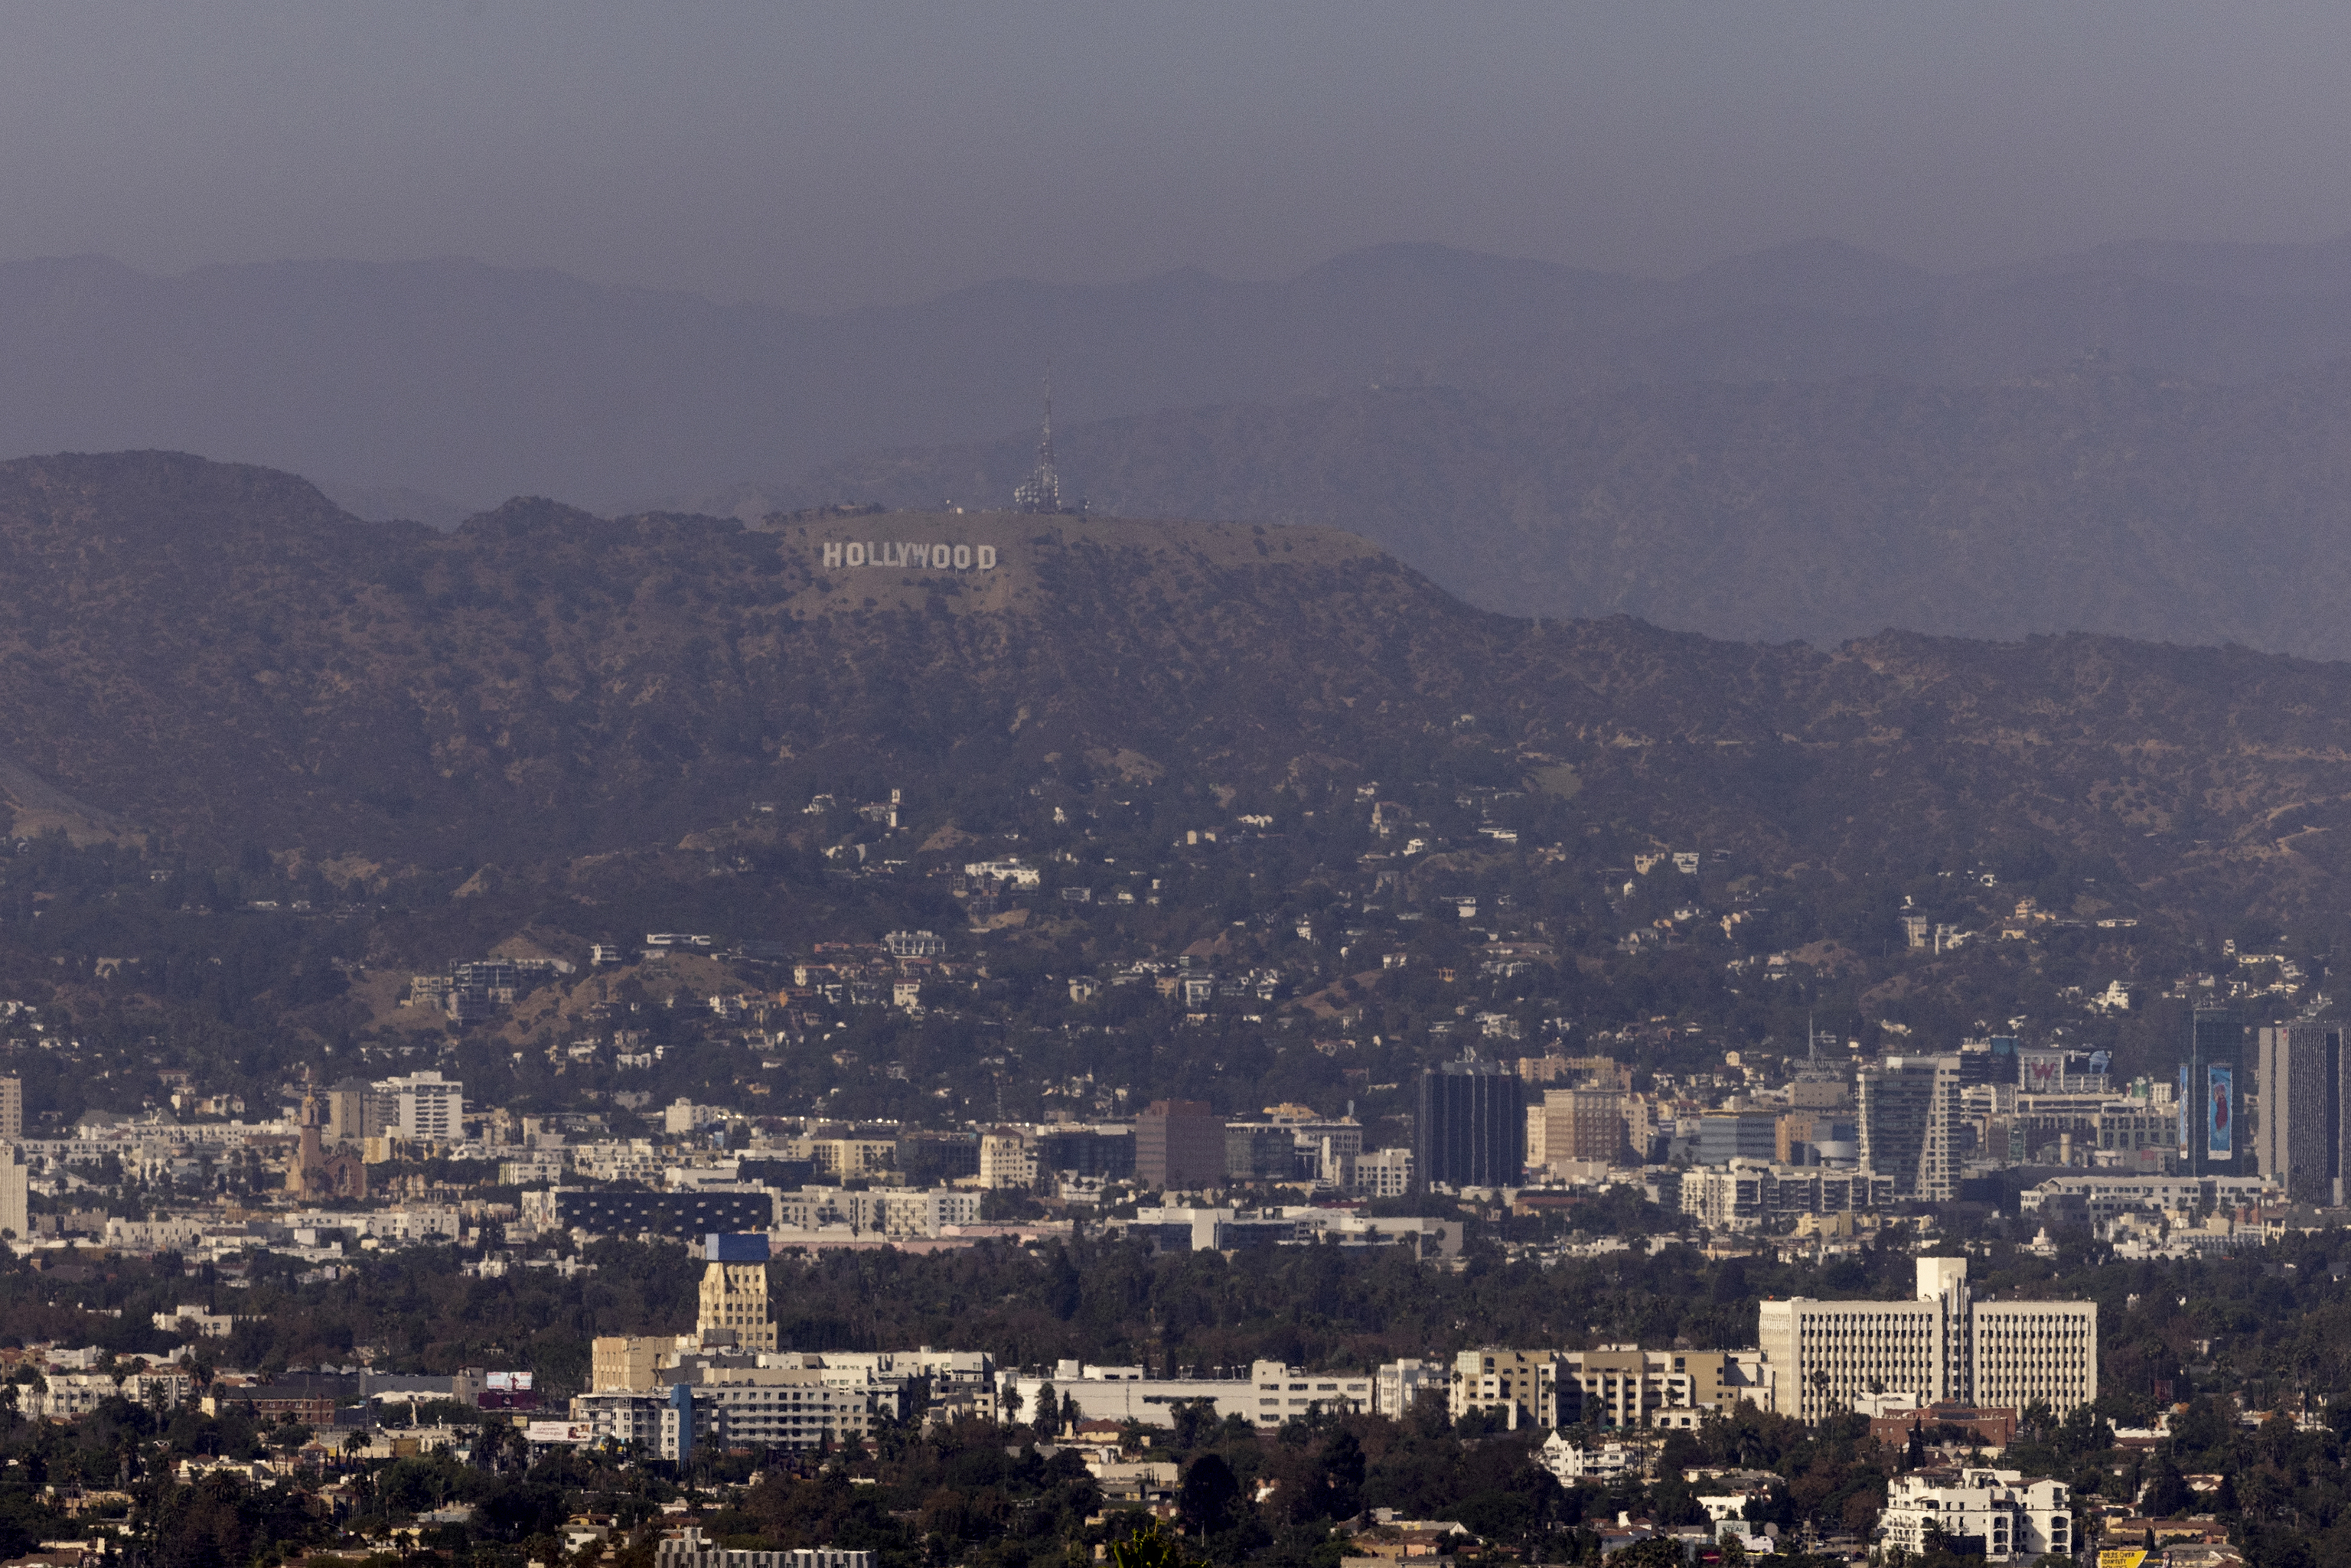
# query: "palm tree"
1150, 1547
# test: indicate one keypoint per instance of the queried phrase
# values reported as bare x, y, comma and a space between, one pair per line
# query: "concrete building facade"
1943, 1346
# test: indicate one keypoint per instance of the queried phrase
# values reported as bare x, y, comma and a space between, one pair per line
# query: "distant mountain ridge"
1812, 442
453, 379
2091, 499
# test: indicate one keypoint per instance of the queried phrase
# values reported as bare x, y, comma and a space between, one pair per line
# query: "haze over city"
1179, 787
822, 157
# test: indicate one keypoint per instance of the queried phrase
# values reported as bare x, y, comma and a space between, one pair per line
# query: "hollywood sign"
940, 557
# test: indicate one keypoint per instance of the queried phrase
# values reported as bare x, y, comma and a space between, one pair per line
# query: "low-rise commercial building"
2099, 1196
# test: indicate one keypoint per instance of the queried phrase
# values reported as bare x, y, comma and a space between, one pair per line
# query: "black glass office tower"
2209, 1081
1472, 1126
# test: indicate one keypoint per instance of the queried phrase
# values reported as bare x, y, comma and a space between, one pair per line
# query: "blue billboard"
2220, 1126
741, 1249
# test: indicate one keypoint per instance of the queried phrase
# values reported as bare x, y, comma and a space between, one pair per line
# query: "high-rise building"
2209, 1138
2300, 1137
12, 1108
1624, 1386
1816, 1138
1992, 1061
430, 1108
1383, 1173
1179, 1146
1007, 1160
358, 1111
1471, 1128
1399, 1382
1941, 1347
1909, 1124
733, 1305
1727, 1135
16, 1193
1574, 1126
1259, 1151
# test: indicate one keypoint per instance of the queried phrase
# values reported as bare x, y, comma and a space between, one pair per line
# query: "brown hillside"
217, 654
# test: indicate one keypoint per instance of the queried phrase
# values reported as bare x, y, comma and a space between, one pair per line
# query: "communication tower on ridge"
1042, 492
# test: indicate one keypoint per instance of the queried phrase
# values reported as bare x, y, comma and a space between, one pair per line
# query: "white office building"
1944, 1346
1271, 1394
1383, 1173
1398, 1383
2105, 1197
882, 1211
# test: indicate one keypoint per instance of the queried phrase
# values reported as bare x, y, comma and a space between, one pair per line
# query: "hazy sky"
824, 157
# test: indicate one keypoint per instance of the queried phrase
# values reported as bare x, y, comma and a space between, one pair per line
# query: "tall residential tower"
1909, 1120
2301, 1136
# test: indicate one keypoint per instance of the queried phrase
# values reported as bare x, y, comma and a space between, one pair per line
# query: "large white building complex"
1996, 1513
1942, 1347
1271, 1394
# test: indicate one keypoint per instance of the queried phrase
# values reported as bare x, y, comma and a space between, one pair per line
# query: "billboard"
745, 1248
2122, 1557
506, 1382
2220, 1126
559, 1432
2187, 1105
2041, 1071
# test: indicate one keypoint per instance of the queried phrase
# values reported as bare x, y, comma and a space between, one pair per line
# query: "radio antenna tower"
1042, 491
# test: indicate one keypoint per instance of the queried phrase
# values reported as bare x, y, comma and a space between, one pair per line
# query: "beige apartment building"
1519, 1385
1576, 1126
